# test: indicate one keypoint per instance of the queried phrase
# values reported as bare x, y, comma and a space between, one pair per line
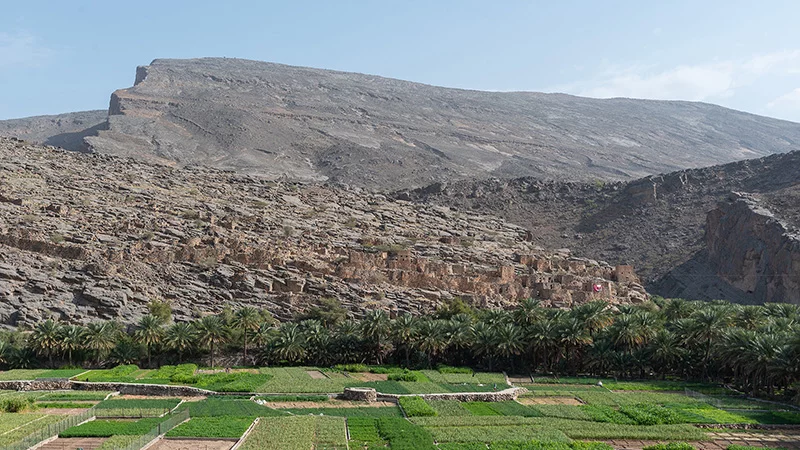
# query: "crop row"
366, 411
416, 407
212, 427
108, 428
211, 407
27, 429
297, 433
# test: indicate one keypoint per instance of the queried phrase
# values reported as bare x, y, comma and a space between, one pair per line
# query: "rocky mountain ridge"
656, 224
85, 236
310, 124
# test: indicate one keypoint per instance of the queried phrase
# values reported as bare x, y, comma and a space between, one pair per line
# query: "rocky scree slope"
657, 224
312, 124
87, 236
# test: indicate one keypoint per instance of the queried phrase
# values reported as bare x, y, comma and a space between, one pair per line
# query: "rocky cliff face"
754, 250
656, 223
85, 236
310, 124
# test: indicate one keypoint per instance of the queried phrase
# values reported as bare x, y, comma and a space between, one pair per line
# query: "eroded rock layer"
87, 236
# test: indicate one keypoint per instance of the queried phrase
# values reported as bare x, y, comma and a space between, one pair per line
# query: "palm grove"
756, 348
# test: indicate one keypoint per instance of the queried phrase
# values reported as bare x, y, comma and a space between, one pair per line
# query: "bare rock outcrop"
88, 236
754, 250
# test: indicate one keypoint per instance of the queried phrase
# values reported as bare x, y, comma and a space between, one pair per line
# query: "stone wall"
36, 385
499, 396
141, 389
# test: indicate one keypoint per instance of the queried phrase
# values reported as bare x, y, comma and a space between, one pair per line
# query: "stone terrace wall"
500, 396
36, 385
142, 389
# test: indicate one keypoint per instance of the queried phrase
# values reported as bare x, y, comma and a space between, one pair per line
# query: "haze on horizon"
68, 56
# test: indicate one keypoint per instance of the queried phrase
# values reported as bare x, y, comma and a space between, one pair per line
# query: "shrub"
351, 367
416, 407
448, 369
184, 373
15, 404
406, 375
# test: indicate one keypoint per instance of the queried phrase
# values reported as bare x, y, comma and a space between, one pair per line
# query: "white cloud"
700, 82
790, 100
22, 50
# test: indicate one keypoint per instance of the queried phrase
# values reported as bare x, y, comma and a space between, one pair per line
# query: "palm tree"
509, 342
574, 335
542, 338
211, 332
664, 351
72, 339
627, 332
263, 334
149, 332
290, 344
127, 351
707, 325
484, 339
594, 315
528, 312
45, 339
750, 317
246, 319
376, 327
100, 338
181, 337
404, 331
5, 351
430, 339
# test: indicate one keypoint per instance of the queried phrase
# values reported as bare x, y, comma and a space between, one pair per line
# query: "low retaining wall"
360, 394
499, 396
142, 389
36, 385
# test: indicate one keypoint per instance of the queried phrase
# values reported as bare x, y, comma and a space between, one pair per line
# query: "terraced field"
576, 414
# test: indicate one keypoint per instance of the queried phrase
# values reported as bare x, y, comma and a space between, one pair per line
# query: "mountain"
61, 130
87, 236
380, 133
727, 231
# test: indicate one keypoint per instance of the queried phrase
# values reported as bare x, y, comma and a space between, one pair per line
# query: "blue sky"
58, 56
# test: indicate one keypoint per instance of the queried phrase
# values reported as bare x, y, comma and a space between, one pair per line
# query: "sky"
59, 56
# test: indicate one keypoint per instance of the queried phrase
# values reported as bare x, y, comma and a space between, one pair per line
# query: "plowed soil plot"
192, 444
366, 376
549, 401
